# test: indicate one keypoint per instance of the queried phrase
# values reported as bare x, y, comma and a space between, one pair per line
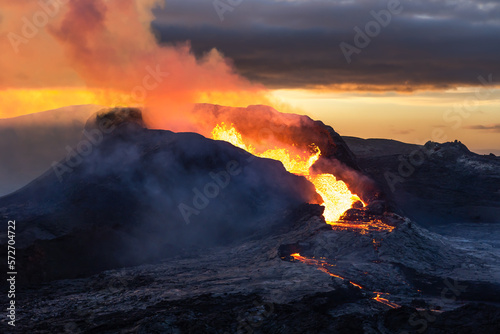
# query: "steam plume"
108, 48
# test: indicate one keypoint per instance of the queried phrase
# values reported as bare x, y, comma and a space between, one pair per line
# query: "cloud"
293, 44
490, 128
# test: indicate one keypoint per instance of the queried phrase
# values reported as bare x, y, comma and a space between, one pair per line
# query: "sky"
411, 70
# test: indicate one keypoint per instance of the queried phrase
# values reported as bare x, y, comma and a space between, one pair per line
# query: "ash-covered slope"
131, 194
256, 286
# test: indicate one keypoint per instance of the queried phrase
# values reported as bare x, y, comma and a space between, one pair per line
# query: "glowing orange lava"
373, 224
336, 196
322, 266
384, 300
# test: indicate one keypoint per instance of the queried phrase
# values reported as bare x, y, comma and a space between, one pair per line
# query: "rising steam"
107, 50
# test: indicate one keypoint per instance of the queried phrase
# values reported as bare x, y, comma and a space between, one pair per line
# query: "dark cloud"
492, 128
435, 44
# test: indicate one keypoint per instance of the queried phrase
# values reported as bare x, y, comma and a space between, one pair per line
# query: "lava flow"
336, 195
384, 300
337, 198
322, 266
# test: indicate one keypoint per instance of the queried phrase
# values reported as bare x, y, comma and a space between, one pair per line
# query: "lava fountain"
337, 198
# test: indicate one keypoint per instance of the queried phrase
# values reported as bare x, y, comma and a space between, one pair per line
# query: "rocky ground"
435, 184
254, 286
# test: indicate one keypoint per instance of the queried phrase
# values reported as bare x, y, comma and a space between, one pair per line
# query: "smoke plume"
109, 49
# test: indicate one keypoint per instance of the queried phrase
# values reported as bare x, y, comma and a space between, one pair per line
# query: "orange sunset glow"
59, 61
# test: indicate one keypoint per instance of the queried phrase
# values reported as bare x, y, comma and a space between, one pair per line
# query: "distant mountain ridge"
433, 184
364, 148
30, 143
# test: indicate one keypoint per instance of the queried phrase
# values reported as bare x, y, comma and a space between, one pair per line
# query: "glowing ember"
336, 196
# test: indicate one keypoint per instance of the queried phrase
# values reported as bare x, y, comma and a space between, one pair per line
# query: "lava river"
323, 266
337, 198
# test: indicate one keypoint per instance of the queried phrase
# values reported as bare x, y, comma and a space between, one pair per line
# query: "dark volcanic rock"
133, 305
249, 314
139, 195
368, 148
109, 118
435, 184
249, 286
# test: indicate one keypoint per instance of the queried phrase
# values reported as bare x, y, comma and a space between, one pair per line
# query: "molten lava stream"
321, 265
336, 196
384, 300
